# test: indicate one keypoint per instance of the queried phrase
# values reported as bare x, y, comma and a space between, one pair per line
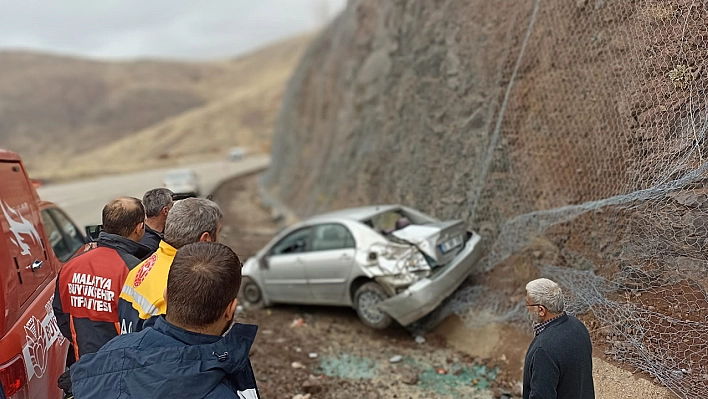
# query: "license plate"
450, 244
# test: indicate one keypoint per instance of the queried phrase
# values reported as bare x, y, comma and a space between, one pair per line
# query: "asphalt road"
83, 200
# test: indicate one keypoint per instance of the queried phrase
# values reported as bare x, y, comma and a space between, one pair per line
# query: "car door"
284, 278
329, 263
20, 221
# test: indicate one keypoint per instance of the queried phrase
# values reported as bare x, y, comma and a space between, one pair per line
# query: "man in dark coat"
193, 351
157, 203
559, 360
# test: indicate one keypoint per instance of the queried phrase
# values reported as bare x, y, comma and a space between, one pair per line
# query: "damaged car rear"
388, 262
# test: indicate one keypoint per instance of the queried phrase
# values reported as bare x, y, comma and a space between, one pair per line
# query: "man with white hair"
142, 298
558, 363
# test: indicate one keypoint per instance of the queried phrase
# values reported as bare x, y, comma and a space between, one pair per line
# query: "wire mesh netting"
613, 95
570, 134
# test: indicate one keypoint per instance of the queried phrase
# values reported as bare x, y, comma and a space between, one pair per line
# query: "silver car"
182, 182
237, 153
388, 262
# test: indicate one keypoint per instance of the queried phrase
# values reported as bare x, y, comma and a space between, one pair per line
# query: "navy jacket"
166, 361
559, 362
151, 239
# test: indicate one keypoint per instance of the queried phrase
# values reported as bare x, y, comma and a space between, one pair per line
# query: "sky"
174, 29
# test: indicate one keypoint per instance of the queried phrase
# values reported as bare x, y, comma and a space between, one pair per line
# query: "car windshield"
178, 176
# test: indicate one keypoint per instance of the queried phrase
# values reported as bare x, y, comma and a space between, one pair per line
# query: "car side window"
332, 236
56, 239
74, 238
295, 242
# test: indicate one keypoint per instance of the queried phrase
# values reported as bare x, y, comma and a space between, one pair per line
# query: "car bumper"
184, 191
425, 295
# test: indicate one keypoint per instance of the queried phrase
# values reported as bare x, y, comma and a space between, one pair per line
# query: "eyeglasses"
535, 304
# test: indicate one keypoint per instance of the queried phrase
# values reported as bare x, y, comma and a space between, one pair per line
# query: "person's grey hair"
156, 199
546, 292
189, 219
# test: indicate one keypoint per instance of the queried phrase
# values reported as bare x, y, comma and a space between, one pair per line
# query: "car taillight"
13, 377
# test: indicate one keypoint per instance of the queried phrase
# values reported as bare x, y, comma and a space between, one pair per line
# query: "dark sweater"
559, 362
151, 239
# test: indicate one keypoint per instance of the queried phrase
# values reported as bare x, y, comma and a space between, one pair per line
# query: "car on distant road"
236, 153
388, 262
182, 182
36, 239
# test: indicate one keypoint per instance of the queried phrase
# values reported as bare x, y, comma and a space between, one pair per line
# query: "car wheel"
366, 300
250, 294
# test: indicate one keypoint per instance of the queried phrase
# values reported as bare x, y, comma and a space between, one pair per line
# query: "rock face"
390, 104
571, 135
490, 110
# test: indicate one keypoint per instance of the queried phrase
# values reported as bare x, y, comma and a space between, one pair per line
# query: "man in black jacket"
558, 363
157, 203
88, 287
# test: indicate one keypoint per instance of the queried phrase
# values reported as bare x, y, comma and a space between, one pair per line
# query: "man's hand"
90, 246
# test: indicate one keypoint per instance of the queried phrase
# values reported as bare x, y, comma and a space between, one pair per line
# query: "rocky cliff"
571, 135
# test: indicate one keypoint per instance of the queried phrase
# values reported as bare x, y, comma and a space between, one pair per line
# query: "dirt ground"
325, 352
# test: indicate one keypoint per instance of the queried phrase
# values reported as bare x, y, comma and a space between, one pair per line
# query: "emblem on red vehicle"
144, 270
18, 229
36, 346
40, 335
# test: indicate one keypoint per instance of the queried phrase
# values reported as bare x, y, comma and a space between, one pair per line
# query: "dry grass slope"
71, 117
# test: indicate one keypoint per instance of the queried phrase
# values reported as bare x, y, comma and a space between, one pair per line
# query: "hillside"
62, 114
569, 134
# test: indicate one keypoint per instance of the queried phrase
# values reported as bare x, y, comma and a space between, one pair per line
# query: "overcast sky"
183, 29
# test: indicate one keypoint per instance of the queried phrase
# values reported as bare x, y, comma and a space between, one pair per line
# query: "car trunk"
440, 241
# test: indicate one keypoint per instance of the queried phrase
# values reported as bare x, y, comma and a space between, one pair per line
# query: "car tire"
366, 298
250, 295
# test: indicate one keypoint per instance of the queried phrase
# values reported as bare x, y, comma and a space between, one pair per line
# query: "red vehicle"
36, 238
36, 183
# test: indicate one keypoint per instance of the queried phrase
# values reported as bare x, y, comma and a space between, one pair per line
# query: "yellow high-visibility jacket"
142, 298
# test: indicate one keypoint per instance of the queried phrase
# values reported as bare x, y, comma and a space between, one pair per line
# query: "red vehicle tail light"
13, 377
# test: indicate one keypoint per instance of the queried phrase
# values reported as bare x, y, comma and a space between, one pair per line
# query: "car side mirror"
92, 232
263, 262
